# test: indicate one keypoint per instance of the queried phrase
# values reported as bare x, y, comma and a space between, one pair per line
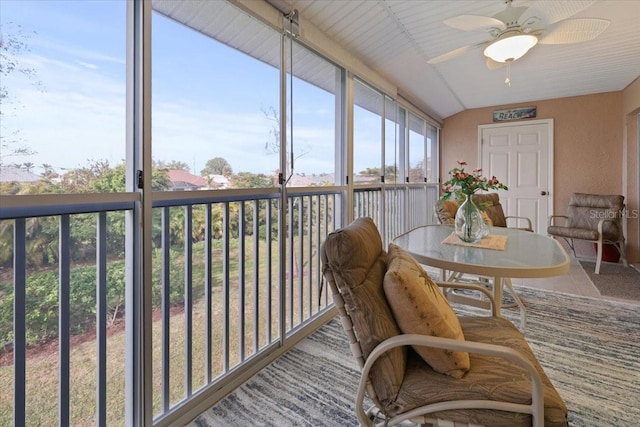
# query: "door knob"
543, 193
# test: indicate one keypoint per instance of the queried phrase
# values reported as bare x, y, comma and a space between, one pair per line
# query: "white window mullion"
138, 356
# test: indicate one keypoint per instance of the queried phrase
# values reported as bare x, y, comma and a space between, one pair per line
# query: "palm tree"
28, 166
48, 172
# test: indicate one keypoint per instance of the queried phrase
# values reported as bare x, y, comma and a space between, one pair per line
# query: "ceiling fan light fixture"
510, 48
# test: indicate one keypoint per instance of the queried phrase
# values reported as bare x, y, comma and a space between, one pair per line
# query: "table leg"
497, 294
523, 309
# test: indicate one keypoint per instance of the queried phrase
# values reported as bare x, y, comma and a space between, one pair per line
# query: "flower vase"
469, 224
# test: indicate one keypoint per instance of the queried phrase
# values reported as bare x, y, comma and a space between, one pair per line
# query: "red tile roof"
176, 176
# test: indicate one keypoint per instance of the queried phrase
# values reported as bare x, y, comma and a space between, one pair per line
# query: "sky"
207, 99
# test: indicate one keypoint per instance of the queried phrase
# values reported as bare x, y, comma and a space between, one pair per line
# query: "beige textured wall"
631, 109
588, 145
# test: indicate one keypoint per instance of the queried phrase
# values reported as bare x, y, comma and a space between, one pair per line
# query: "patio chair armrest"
483, 290
524, 218
552, 217
601, 227
537, 388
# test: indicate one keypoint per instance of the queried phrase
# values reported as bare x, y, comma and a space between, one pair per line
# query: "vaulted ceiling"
398, 38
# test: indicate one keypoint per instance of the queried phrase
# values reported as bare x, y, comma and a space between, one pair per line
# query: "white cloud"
87, 65
80, 116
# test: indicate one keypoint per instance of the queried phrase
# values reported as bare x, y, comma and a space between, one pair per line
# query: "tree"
28, 166
273, 146
251, 180
172, 165
48, 172
390, 172
12, 45
110, 180
370, 172
217, 166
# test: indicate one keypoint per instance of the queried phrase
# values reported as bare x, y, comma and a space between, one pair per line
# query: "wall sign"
514, 114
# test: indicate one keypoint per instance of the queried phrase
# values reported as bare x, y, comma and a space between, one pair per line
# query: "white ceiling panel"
397, 38
413, 32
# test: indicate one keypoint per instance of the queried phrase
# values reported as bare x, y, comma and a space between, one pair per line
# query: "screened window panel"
215, 107
392, 158
63, 97
367, 134
313, 111
432, 154
417, 143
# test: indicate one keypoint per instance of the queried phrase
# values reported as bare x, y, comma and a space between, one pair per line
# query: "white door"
520, 154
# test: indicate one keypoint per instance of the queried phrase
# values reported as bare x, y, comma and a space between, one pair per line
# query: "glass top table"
526, 255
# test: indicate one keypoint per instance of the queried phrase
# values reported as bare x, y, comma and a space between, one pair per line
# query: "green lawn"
42, 369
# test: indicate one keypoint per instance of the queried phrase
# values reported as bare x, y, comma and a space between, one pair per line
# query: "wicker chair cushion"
353, 259
492, 207
419, 307
445, 211
488, 378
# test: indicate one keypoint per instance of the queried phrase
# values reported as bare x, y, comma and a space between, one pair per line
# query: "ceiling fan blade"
473, 22
450, 55
532, 25
552, 11
510, 14
575, 31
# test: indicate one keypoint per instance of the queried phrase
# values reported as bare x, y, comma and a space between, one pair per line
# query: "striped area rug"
589, 348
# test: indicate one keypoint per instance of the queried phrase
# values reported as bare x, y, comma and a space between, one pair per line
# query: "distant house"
217, 181
300, 181
180, 180
16, 174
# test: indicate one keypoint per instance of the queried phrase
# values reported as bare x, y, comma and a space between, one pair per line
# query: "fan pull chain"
507, 81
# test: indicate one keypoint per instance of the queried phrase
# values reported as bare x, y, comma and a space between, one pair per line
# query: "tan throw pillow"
419, 307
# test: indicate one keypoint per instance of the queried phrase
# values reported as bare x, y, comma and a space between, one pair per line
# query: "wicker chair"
493, 214
445, 212
504, 385
592, 217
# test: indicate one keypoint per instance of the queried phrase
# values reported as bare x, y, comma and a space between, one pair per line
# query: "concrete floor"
575, 282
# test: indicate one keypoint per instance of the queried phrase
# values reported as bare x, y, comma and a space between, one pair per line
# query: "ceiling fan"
515, 30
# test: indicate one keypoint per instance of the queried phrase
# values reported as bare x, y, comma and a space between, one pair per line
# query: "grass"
42, 366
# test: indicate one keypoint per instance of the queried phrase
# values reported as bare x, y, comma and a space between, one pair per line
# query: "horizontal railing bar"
359, 188
30, 206
310, 191
199, 197
370, 188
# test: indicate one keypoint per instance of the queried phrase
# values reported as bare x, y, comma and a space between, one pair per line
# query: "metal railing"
229, 285
396, 208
